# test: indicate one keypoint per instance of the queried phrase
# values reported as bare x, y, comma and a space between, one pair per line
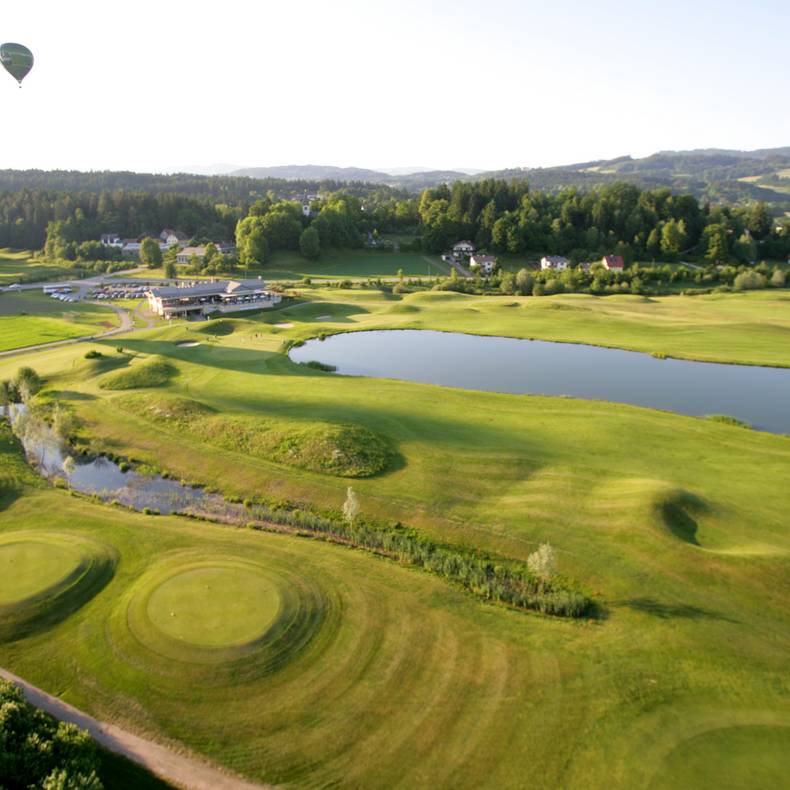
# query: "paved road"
178, 769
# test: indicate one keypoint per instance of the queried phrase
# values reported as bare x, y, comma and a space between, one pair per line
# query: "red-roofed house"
613, 262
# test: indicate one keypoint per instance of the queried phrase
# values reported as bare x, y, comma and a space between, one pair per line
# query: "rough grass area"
342, 450
149, 373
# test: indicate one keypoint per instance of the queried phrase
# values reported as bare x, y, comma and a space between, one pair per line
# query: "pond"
759, 396
107, 480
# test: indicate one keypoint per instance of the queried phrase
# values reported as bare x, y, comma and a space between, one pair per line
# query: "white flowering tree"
543, 563
351, 507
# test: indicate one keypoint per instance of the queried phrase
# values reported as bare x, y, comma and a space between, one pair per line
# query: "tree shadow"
667, 611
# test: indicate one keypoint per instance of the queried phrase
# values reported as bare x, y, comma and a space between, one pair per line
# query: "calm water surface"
757, 395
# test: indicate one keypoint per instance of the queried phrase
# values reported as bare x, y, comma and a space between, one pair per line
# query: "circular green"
215, 607
30, 568
740, 758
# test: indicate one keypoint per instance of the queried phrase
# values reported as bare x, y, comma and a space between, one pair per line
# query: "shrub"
316, 365
92, 354
728, 420
38, 751
749, 281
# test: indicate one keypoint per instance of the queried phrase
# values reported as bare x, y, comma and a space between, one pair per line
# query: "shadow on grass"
395, 419
667, 611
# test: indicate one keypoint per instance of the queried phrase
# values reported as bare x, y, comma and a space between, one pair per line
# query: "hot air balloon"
18, 60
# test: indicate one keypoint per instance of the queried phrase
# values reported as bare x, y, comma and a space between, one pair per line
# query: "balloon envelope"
18, 60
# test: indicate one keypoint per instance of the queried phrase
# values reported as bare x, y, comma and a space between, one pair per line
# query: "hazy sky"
160, 85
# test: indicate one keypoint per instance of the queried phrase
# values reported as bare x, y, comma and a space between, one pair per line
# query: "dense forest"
500, 216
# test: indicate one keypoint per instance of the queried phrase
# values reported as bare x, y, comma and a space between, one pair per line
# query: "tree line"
499, 216
620, 218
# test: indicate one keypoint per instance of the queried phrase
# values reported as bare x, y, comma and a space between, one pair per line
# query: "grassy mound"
46, 577
175, 410
221, 328
399, 309
153, 373
342, 450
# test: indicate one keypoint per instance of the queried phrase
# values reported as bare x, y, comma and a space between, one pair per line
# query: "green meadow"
28, 318
299, 662
18, 266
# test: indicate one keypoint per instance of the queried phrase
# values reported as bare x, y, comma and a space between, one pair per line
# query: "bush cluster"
38, 751
491, 578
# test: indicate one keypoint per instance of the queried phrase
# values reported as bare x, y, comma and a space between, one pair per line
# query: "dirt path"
178, 769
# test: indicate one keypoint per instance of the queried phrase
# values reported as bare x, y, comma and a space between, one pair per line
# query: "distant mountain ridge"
410, 180
716, 174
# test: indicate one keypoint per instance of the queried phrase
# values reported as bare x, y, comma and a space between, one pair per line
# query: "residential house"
485, 263
131, 248
111, 240
173, 238
465, 248
554, 263
614, 263
200, 299
185, 255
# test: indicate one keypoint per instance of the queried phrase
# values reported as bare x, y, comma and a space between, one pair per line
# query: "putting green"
733, 757
30, 568
216, 609
46, 577
215, 606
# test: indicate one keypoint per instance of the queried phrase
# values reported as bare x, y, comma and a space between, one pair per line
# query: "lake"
759, 396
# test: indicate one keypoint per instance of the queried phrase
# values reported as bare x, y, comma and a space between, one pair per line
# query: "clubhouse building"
199, 299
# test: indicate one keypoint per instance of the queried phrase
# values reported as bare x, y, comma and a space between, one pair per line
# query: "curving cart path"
178, 769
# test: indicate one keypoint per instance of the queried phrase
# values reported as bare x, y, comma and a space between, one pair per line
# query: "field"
334, 265
350, 669
29, 317
17, 266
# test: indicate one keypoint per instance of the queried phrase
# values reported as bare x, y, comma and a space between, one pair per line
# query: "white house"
463, 248
111, 240
554, 263
172, 237
485, 263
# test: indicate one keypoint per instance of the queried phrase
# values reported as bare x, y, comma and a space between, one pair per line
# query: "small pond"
759, 396
106, 479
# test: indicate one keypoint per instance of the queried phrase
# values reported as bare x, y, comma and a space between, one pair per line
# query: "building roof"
478, 258
463, 243
613, 261
189, 251
218, 288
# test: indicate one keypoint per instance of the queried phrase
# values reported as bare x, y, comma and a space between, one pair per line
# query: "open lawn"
18, 266
341, 264
324, 665
30, 317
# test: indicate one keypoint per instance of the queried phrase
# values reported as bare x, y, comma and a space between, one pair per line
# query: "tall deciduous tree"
310, 243
150, 253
